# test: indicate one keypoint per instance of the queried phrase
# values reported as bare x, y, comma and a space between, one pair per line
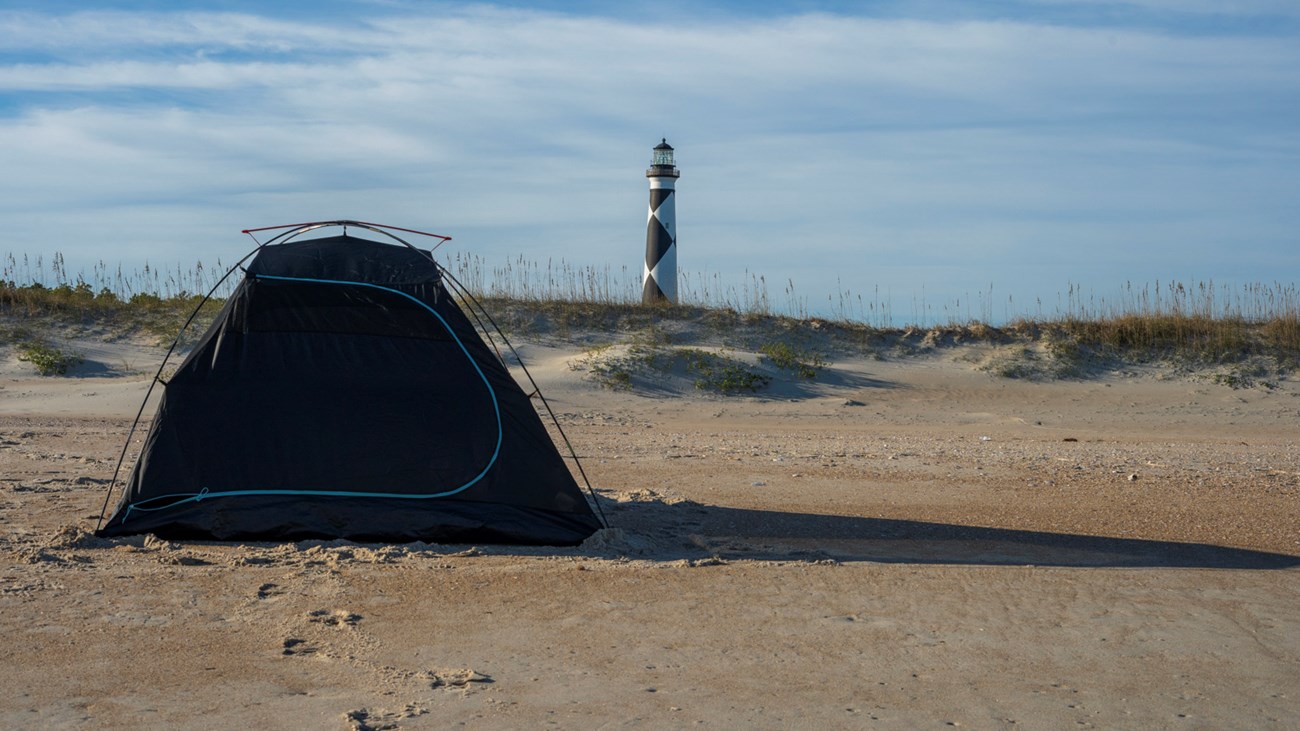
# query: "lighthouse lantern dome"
663, 154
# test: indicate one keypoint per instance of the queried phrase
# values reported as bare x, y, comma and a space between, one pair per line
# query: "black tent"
342, 393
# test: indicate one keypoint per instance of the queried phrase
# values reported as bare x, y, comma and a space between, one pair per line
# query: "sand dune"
900, 543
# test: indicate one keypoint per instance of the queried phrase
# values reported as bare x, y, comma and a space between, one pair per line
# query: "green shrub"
49, 360
788, 358
714, 372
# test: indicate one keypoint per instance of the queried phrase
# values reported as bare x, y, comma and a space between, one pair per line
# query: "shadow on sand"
782, 386
690, 530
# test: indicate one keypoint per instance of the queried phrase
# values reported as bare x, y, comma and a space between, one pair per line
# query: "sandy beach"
900, 543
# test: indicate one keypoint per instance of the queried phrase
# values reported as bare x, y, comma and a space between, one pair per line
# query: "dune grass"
1201, 324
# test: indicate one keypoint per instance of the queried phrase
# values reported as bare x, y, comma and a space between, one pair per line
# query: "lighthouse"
660, 282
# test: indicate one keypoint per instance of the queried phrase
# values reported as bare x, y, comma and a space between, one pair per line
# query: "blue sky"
921, 152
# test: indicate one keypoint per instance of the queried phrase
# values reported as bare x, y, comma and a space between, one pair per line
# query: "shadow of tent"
689, 530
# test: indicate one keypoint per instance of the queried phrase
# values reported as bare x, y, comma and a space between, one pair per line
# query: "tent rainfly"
342, 392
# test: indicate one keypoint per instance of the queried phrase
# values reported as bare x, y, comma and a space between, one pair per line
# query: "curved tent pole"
362, 224
157, 377
300, 228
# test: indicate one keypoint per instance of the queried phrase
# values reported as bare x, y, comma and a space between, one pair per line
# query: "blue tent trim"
176, 500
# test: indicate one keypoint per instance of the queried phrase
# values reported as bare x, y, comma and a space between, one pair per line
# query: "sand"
900, 543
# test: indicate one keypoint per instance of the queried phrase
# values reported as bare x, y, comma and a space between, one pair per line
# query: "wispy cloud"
869, 143
87, 33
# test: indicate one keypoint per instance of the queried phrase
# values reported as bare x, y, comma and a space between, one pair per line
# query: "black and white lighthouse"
660, 283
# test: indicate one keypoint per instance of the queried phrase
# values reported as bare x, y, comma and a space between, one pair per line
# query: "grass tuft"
783, 355
48, 359
720, 373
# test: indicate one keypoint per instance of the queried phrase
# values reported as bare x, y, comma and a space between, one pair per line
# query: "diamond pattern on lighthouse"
665, 211
663, 276
661, 251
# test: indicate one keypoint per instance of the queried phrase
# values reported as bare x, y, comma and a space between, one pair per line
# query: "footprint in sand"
459, 678
366, 719
334, 618
266, 591
320, 646
296, 646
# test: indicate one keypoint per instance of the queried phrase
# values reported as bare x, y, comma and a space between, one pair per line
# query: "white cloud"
89, 32
991, 143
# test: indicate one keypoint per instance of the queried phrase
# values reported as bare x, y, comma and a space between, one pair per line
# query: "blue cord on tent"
207, 494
